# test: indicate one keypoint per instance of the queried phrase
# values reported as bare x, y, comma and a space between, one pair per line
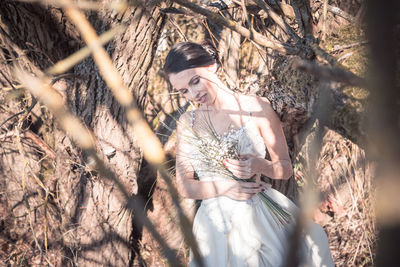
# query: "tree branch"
307, 51
341, 13
40, 143
252, 35
67, 63
328, 73
278, 20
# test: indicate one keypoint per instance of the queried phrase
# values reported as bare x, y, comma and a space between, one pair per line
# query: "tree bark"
92, 224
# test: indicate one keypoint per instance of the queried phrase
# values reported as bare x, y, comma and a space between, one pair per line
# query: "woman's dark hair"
187, 55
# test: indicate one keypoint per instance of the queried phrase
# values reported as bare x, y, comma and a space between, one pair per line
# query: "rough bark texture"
90, 224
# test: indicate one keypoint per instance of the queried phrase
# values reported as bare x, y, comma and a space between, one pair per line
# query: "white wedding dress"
244, 233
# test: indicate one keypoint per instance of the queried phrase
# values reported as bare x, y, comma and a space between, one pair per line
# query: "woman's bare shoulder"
184, 120
256, 104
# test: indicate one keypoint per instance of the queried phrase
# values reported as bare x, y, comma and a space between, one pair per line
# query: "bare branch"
343, 47
348, 54
278, 20
147, 140
67, 63
40, 143
341, 13
179, 30
304, 51
11, 117
328, 73
252, 35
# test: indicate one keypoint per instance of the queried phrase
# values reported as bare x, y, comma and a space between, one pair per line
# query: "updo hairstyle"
187, 55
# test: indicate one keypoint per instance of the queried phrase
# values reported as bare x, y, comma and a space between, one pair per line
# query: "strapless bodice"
249, 141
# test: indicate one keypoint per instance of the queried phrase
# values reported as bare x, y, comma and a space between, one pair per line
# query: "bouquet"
215, 148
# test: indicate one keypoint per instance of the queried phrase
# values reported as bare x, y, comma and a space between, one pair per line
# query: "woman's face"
196, 84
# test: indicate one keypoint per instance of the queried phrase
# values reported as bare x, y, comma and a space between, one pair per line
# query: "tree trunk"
88, 221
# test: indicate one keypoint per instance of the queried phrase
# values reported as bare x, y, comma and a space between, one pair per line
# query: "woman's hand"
241, 190
245, 167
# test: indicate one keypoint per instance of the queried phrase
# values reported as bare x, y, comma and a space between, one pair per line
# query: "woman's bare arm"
188, 187
270, 128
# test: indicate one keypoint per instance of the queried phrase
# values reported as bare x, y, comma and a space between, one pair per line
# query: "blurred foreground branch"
147, 140
329, 73
85, 140
67, 63
384, 126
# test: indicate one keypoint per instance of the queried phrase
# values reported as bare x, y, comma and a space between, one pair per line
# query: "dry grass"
348, 216
352, 232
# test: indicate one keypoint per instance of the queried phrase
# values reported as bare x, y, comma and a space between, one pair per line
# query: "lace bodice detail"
249, 141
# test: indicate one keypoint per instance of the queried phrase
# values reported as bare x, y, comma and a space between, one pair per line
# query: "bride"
233, 226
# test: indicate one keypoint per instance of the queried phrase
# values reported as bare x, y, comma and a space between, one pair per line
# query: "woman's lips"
202, 99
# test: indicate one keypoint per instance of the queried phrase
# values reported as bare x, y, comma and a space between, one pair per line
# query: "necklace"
221, 116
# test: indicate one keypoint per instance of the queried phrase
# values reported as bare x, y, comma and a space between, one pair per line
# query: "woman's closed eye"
195, 80
183, 91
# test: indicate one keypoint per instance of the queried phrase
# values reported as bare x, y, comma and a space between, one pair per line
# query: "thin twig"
174, 10
40, 143
9, 82
343, 47
246, 15
345, 56
180, 32
285, 9
11, 117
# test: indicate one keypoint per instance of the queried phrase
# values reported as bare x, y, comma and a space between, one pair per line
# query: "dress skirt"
245, 233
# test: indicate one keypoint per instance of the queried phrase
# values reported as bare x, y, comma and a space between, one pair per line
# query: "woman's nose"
195, 93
